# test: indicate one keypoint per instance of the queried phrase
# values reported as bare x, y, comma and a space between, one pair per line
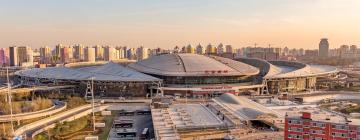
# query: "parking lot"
139, 122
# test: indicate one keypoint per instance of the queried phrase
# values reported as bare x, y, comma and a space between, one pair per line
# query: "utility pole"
10, 98
93, 102
4, 132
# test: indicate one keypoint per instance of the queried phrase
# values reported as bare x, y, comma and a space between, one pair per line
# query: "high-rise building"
109, 53
301, 52
239, 52
25, 56
121, 53
78, 52
89, 54
45, 54
285, 51
220, 49
13, 56
183, 49
176, 49
2, 57
58, 50
156, 51
210, 49
190, 49
142, 53
228, 49
125, 48
200, 49
324, 48
99, 52
353, 48
65, 54
319, 126
131, 52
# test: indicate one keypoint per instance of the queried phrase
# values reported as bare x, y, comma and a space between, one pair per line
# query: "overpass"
57, 107
39, 126
4, 90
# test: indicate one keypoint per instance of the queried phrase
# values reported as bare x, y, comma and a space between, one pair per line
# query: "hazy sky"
166, 23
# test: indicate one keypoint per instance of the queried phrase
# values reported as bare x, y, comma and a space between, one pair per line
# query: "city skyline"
165, 24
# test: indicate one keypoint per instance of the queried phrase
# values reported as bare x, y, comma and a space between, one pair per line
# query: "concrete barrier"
39, 123
31, 115
71, 118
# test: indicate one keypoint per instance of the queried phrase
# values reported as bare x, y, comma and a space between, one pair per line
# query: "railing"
39, 123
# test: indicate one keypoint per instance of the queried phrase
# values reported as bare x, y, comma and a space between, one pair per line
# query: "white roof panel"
185, 64
107, 72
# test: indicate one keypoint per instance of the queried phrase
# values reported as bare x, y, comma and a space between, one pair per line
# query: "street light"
9, 99
93, 102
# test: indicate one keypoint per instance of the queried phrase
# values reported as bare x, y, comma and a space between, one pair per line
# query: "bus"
144, 133
143, 112
126, 133
127, 113
123, 124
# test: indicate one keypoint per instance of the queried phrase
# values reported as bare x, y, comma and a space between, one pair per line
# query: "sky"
167, 23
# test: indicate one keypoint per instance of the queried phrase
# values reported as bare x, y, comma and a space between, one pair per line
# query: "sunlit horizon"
165, 24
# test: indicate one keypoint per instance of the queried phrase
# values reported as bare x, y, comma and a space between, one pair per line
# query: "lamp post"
93, 102
9, 100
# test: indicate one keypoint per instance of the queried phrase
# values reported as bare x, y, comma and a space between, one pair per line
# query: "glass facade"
203, 80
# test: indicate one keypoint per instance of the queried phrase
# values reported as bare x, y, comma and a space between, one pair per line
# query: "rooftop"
288, 69
243, 107
320, 115
182, 116
107, 72
185, 64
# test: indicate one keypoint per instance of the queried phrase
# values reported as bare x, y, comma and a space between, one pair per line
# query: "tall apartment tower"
229, 49
2, 57
324, 48
99, 52
89, 54
220, 49
131, 53
200, 49
45, 54
210, 49
13, 56
142, 53
79, 52
58, 50
109, 53
66, 54
25, 56
190, 49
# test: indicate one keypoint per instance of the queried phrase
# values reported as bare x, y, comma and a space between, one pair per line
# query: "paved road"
140, 122
28, 89
58, 106
32, 127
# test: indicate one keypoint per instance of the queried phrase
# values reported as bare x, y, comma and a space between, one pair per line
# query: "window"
343, 127
318, 132
294, 136
295, 129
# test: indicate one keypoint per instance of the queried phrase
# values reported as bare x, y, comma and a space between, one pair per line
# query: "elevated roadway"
36, 127
58, 106
14, 89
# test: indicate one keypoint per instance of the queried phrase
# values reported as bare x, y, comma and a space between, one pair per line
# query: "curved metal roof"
287, 69
243, 107
297, 69
186, 64
107, 72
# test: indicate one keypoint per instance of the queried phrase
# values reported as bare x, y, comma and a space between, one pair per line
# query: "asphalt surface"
30, 132
140, 122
